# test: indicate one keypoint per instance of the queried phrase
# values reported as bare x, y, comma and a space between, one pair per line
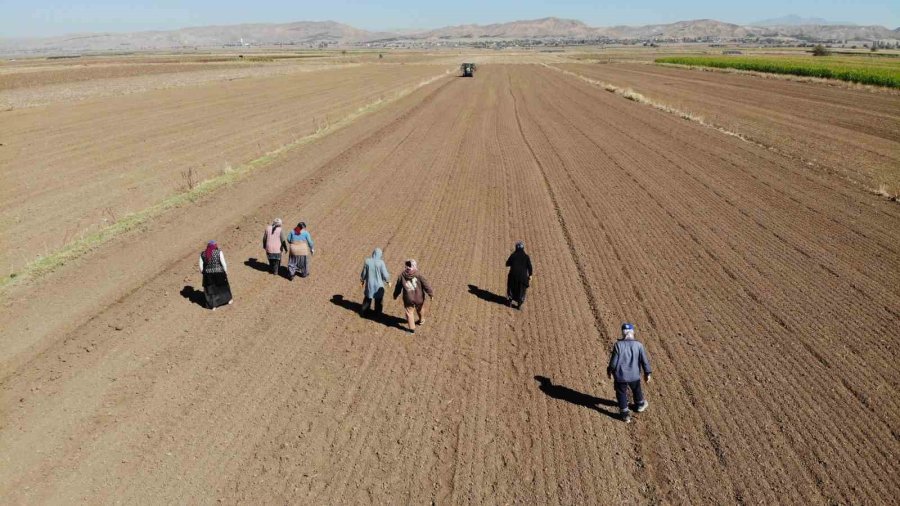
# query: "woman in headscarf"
414, 287
519, 277
215, 280
373, 277
300, 246
274, 243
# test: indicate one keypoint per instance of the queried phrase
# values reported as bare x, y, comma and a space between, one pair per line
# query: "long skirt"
516, 289
216, 289
298, 264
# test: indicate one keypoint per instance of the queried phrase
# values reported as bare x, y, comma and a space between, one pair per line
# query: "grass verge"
48, 263
885, 72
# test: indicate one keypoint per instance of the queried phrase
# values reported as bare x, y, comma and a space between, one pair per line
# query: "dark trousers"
274, 262
379, 302
622, 393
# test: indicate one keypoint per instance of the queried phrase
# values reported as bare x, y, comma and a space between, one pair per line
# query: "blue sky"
22, 18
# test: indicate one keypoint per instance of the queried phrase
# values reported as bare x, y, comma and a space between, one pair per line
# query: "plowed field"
767, 294
71, 168
852, 133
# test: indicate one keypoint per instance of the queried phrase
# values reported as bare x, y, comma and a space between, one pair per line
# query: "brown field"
854, 133
72, 167
766, 290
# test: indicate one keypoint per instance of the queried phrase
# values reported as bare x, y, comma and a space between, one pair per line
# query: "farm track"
851, 133
765, 292
70, 168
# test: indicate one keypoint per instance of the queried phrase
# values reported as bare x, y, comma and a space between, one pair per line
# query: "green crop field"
858, 69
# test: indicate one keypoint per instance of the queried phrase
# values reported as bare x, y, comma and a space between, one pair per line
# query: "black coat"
520, 270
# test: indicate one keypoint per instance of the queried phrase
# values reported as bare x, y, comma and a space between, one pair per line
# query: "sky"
39, 18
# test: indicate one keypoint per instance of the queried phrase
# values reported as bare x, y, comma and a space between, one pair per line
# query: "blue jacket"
374, 274
302, 236
626, 361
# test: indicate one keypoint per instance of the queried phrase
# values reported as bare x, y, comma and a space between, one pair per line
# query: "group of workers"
628, 358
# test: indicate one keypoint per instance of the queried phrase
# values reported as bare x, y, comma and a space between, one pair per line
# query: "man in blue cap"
627, 360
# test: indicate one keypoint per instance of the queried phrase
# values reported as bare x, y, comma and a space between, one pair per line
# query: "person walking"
519, 277
627, 360
300, 247
414, 286
215, 278
274, 243
373, 277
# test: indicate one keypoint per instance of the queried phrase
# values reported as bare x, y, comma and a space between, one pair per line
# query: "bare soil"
853, 133
71, 168
767, 293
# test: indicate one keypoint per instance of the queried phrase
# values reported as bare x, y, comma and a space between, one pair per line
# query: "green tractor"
468, 69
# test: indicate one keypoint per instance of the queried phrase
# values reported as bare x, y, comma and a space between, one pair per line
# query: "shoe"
642, 407
420, 322
626, 417
411, 331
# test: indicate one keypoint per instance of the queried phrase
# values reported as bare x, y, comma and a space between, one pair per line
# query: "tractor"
468, 69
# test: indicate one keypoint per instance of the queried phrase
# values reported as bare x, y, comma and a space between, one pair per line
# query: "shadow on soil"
486, 295
575, 397
255, 264
195, 296
382, 318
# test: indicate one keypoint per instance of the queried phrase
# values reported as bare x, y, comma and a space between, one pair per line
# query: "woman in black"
215, 278
519, 277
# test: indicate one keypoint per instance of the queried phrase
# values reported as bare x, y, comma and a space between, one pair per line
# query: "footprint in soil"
575, 397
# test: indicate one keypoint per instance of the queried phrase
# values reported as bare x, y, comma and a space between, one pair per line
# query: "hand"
647, 378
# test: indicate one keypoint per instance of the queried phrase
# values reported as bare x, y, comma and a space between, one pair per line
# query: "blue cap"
627, 326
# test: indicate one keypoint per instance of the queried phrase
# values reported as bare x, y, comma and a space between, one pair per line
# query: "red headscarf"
211, 246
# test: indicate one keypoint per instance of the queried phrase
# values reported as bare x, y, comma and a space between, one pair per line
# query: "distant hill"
302, 32
795, 20
537, 28
682, 29
306, 33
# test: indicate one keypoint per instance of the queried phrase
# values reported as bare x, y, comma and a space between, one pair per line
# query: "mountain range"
795, 20
330, 32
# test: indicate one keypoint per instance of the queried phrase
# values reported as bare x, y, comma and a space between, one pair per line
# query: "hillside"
312, 33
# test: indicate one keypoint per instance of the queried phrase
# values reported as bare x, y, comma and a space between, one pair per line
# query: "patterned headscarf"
520, 244
211, 247
277, 223
411, 268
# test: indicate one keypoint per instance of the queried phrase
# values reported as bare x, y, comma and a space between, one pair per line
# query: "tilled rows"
753, 281
778, 310
851, 133
72, 168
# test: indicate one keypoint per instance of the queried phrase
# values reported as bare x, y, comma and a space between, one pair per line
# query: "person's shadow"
575, 397
192, 294
255, 264
488, 296
382, 318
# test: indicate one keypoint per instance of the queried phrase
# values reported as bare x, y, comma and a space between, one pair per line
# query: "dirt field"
767, 294
852, 133
70, 168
